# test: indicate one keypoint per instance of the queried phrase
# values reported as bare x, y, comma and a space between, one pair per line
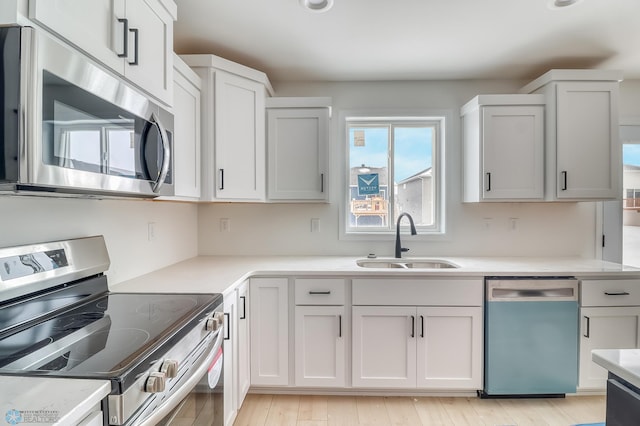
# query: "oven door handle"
174, 400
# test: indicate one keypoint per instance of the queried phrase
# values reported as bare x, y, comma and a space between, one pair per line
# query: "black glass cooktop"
103, 337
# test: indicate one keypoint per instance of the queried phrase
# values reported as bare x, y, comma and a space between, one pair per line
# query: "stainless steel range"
58, 319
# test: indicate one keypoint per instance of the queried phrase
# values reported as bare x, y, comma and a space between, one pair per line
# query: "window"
394, 168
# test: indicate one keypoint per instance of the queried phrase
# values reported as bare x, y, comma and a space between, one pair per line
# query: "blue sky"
631, 154
413, 149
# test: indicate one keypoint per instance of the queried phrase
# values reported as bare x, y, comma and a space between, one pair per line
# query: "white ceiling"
413, 39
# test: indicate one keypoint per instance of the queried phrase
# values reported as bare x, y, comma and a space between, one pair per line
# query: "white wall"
124, 224
549, 229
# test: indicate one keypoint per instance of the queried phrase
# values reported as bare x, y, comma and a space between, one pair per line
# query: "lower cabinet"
321, 330
269, 322
605, 328
235, 351
424, 347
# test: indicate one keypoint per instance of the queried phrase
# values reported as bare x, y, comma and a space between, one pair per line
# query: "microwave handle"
166, 158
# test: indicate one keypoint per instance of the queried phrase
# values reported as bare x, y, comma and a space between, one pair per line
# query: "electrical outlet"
487, 221
151, 231
315, 224
225, 225
513, 224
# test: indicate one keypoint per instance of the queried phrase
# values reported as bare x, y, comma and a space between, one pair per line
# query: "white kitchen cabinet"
235, 350
233, 131
434, 346
384, 346
503, 146
230, 365
605, 328
609, 319
132, 37
269, 324
583, 158
449, 347
321, 330
244, 344
298, 149
186, 135
320, 346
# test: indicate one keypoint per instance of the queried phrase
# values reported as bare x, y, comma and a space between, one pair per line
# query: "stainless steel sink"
405, 264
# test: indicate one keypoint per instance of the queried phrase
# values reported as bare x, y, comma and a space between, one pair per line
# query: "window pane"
368, 176
413, 172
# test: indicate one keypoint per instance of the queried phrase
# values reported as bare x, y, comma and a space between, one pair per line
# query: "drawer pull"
616, 293
339, 325
319, 292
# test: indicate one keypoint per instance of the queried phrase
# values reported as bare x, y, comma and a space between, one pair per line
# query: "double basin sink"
394, 263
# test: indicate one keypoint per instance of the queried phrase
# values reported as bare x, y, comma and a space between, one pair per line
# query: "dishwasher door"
531, 337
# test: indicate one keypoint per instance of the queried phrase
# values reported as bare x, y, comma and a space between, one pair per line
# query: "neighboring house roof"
420, 175
630, 168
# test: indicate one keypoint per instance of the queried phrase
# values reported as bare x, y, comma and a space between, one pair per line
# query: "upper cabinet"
298, 149
186, 140
583, 158
503, 137
233, 117
132, 37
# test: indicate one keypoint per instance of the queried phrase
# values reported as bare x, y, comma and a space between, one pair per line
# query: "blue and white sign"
368, 184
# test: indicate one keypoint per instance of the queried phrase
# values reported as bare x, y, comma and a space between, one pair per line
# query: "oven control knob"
211, 324
155, 382
170, 368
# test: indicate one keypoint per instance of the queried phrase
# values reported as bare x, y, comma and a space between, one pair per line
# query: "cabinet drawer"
319, 291
610, 292
418, 292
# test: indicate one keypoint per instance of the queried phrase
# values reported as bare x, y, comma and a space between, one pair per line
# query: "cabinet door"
149, 62
90, 25
269, 321
229, 354
605, 328
243, 360
449, 347
298, 151
239, 138
186, 140
319, 346
513, 152
587, 140
384, 346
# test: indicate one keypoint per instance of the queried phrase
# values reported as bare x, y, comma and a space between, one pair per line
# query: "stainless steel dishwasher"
531, 336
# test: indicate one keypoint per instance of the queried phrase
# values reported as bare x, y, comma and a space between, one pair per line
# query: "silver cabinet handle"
135, 46
125, 34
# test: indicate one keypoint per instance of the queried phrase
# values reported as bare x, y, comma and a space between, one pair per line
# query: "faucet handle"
404, 249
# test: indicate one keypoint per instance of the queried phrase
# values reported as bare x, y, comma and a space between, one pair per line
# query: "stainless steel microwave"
69, 126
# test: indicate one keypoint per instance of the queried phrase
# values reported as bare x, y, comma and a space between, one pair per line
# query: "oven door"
196, 398
204, 405
87, 131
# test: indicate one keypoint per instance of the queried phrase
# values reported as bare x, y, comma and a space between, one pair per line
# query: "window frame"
440, 120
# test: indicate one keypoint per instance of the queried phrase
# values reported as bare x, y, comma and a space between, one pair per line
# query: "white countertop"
624, 363
49, 401
216, 274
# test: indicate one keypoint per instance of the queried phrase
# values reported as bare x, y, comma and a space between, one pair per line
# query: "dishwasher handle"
532, 290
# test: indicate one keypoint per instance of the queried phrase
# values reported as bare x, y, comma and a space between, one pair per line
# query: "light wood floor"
295, 410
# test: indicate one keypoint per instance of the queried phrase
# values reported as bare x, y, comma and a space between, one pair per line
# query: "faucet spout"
399, 248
